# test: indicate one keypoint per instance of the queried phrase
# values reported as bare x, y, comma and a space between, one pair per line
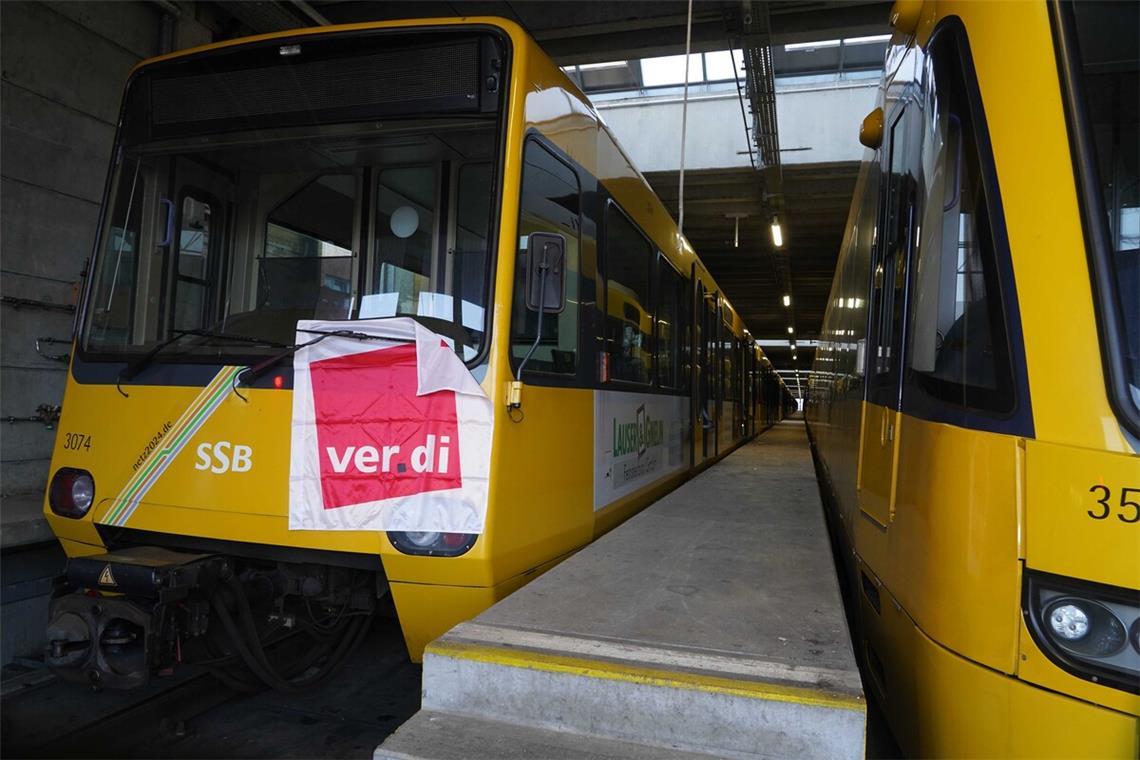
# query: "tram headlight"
422, 538
1086, 628
432, 543
1068, 621
72, 492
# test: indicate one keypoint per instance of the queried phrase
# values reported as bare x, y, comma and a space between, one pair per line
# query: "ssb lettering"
227, 457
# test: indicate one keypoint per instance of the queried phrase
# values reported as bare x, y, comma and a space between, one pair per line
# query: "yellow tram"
975, 407
358, 174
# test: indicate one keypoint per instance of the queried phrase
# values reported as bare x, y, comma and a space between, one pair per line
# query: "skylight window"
819, 45
718, 65
670, 69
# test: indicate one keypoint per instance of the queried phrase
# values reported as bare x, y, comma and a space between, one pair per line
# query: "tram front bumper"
116, 618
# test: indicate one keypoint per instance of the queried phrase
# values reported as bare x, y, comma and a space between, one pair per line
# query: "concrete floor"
735, 562
711, 622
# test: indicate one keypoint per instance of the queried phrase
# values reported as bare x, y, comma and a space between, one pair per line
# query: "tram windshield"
231, 214
1110, 64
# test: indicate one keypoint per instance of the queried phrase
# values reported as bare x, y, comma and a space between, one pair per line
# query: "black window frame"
664, 268
93, 365
580, 377
890, 308
1098, 249
604, 259
1004, 314
215, 284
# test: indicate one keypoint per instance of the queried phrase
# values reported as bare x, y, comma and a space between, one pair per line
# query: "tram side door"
714, 368
197, 232
702, 374
880, 436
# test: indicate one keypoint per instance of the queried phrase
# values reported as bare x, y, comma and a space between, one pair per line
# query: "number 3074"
77, 441
1126, 507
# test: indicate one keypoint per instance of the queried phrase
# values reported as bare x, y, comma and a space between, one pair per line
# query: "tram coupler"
116, 618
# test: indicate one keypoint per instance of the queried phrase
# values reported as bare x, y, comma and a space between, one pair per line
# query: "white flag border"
438, 369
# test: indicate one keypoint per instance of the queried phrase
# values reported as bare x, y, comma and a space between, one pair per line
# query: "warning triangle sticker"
106, 578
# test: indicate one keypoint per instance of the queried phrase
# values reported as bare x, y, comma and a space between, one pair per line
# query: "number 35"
1129, 500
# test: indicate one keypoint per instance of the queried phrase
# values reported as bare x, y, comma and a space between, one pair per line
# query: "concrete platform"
22, 521
447, 736
711, 623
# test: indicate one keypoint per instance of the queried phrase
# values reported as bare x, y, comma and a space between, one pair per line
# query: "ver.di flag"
388, 433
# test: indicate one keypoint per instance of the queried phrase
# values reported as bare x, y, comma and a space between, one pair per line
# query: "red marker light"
278, 381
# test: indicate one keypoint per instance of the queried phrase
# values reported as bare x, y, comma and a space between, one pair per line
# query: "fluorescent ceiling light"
811, 45
866, 40
606, 65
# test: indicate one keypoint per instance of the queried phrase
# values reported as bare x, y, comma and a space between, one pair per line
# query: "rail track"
192, 714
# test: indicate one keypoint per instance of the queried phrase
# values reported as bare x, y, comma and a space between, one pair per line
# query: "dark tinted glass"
958, 349
628, 256
194, 261
306, 271
1109, 45
551, 202
670, 325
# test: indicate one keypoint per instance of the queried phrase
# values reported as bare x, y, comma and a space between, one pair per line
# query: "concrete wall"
824, 119
64, 64
818, 123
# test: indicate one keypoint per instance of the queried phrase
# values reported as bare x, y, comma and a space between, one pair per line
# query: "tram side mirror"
871, 130
546, 272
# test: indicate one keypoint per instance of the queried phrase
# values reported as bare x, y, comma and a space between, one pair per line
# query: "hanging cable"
684, 123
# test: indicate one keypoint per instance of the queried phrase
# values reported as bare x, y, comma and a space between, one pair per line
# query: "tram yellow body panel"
945, 705
947, 523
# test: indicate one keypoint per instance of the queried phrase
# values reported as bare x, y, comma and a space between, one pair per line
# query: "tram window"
889, 276
685, 333
405, 236
958, 346
670, 324
112, 298
306, 271
1108, 57
192, 282
728, 363
628, 256
469, 257
550, 202
709, 361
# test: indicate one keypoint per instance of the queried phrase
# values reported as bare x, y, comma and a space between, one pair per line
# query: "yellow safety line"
611, 671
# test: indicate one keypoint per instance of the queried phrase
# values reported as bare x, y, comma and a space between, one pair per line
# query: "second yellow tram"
975, 404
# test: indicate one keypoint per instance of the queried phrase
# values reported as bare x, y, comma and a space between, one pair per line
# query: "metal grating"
761, 82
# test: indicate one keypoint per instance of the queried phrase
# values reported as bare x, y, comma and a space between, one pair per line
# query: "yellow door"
886, 334
877, 467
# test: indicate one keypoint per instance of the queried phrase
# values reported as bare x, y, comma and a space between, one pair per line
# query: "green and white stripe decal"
191, 421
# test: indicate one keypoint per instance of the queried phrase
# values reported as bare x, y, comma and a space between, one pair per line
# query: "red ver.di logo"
376, 438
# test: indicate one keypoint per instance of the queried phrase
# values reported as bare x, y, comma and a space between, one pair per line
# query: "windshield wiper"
249, 375
144, 361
